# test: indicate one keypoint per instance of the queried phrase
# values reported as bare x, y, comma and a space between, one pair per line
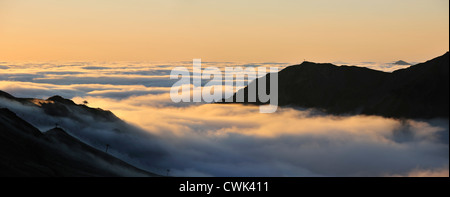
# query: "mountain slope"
420, 91
25, 151
93, 126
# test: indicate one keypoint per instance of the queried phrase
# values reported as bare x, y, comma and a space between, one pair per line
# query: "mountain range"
419, 91
26, 151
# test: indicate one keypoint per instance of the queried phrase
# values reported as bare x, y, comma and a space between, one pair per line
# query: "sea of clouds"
199, 139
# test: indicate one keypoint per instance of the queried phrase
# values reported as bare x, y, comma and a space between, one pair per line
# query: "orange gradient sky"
232, 30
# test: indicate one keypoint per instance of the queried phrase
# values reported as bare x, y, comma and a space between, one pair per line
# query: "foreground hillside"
26, 151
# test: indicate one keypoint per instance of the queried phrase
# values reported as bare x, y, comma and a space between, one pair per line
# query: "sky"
233, 30
118, 54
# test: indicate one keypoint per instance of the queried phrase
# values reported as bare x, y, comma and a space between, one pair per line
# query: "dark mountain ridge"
61, 107
420, 91
26, 151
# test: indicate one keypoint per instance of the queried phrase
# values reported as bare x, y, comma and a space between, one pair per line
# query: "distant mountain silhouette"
401, 62
26, 151
419, 91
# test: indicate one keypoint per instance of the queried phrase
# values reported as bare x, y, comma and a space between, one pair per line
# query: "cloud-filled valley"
195, 139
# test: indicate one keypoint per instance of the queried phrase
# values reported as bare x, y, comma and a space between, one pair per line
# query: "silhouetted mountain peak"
401, 62
307, 68
60, 99
307, 63
59, 106
419, 91
316, 65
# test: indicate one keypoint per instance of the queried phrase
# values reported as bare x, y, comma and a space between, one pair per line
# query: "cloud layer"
224, 140
235, 140
80, 78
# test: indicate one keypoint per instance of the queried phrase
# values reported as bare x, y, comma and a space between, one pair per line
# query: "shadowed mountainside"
26, 151
419, 91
